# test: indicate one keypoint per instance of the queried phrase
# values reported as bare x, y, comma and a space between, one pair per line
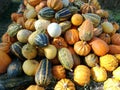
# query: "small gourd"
116, 73
35, 87
65, 84
29, 51
54, 30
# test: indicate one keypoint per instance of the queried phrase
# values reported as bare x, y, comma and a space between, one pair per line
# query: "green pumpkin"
13, 28
43, 75
47, 13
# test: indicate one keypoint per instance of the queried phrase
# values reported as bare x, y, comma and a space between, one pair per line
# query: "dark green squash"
41, 40
47, 13
15, 69
43, 75
16, 49
16, 83
63, 14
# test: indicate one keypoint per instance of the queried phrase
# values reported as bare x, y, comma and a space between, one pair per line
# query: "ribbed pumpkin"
82, 75
16, 49
71, 36
5, 60
106, 37
116, 73
99, 46
29, 51
55, 4
34, 2
115, 39
93, 17
47, 13
41, 40
5, 46
65, 58
21, 21
43, 74
88, 8
109, 62
29, 24
58, 71
65, 84
82, 48
98, 30
59, 42
86, 30
118, 57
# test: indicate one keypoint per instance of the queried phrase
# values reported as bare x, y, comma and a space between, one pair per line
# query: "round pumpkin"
118, 57
30, 66
71, 36
82, 75
23, 35
54, 30
99, 74
82, 48
99, 46
5, 60
15, 16
5, 46
114, 49
34, 2
21, 21
64, 84
109, 62
76, 19
97, 31
58, 72
29, 51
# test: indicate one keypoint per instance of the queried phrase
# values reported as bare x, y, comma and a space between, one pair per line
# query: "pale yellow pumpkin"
116, 73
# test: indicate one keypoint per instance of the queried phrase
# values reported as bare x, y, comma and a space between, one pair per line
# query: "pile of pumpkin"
72, 41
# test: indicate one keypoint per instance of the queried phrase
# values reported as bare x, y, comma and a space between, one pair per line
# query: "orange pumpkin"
116, 25
115, 39
71, 36
6, 38
15, 16
21, 21
114, 49
77, 19
5, 46
5, 60
34, 2
35, 87
58, 72
82, 48
99, 46
106, 37
59, 42
55, 4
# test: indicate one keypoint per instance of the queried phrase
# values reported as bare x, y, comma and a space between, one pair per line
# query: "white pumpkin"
41, 24
107, 27
54, 30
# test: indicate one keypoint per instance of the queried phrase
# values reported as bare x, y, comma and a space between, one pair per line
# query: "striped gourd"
63, 14
47, 13
16, 49
41, 40
43, 74
96, 19
65, 58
